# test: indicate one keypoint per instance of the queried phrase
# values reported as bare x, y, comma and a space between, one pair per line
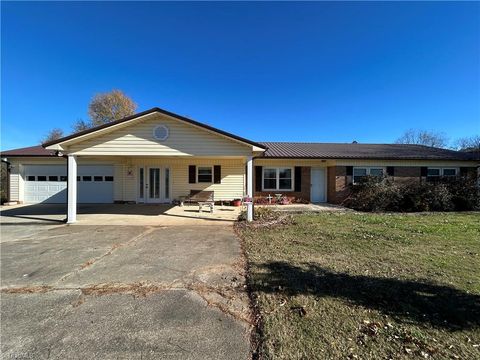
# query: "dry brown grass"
367, 286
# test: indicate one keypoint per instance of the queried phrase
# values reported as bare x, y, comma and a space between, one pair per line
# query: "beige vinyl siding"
231, 187
14, 184
137, 140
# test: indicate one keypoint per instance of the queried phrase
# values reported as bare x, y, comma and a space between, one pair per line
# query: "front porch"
159, 182
120, 214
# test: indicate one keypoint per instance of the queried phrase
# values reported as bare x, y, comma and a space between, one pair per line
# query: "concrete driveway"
121, 291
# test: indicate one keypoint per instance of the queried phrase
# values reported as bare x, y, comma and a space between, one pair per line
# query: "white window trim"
277, 169
368, 168
435, 168
441, 171
449, 168
204, 166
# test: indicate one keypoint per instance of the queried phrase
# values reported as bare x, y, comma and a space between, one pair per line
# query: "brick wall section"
338, 184
304, 194
405, 174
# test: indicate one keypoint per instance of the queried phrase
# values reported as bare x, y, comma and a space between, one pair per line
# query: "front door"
156, 184
317, 193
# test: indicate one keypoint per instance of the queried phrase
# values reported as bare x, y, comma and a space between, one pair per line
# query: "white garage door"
48, 184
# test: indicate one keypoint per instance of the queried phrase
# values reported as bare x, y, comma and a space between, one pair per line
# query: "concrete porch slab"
120, 214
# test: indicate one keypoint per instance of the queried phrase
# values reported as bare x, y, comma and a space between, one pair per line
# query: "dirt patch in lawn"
350, 285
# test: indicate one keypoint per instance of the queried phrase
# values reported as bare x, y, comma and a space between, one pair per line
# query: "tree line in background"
437, 139
115, 105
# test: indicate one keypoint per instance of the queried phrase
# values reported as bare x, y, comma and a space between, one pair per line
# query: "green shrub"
383, 194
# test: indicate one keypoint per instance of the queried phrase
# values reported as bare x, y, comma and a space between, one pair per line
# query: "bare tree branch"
423, 137
53, 134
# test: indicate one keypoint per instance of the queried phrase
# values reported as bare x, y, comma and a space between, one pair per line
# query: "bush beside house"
383, 194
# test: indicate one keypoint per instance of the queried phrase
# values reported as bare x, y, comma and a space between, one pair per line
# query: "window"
41, 178
449, 172
160, 132
86, 178
78, 178
278, 179
167, 183
269, 179
360, 172
108, 178
63, 178
30, 178
53, 178
204, 174
140, 182
436, 173
285, 179
433, 172
98, 178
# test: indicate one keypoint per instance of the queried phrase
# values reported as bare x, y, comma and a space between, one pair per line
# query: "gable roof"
147, 112
361, 151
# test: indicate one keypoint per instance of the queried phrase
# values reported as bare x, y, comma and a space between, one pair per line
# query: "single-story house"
157, 156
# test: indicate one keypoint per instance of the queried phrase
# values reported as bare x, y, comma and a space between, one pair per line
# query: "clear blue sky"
328, 72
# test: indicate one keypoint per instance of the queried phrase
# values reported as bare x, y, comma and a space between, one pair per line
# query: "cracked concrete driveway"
122, 292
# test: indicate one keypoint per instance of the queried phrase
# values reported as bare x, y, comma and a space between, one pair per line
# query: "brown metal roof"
31, 151
361, 151
290, 150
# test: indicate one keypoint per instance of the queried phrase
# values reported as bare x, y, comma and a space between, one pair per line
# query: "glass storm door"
153, 185
157, 186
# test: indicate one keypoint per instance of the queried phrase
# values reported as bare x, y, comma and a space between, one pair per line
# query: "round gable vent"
160, 132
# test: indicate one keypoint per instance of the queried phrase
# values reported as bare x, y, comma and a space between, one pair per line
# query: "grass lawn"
367, 286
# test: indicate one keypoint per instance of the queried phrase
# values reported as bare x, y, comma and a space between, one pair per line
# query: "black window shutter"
192, 174
217, 174
423, 171
258, 178
349, 170
298, 178
390, 170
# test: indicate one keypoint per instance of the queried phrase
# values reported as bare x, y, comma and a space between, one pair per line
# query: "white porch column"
250, 187
72, 189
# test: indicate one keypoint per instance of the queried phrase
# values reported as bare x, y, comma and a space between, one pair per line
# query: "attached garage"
48, 184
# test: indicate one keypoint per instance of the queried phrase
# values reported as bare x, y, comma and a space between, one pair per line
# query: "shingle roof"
28, 151
361, 151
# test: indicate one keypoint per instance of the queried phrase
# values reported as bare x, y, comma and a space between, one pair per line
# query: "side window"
86, 178
359, 174
53, 178
450, 172
41, 178
64, 178
98, 178
376, 172
108, 178
30, 178
205, 174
